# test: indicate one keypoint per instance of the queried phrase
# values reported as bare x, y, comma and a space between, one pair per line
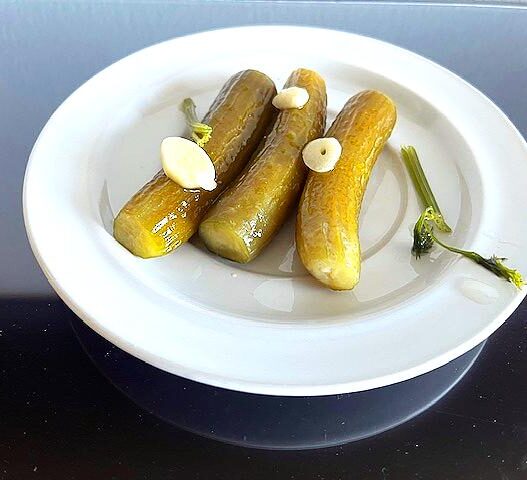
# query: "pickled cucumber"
163, 215
327, 230
251, 211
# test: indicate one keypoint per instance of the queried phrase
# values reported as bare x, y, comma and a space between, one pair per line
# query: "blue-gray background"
48, 48
60, 418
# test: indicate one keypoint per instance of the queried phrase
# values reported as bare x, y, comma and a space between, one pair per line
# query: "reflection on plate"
264, 421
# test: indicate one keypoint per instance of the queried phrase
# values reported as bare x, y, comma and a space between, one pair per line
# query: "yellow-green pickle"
327, 229
163, 215
247, 216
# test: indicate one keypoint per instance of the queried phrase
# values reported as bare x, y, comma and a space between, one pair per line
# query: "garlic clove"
187, 164
292, 97
322, 154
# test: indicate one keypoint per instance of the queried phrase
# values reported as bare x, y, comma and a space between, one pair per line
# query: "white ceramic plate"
268, 327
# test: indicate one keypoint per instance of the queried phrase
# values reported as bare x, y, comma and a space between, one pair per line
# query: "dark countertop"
61, 418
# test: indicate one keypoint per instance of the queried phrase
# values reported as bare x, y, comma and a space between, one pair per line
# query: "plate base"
268, 421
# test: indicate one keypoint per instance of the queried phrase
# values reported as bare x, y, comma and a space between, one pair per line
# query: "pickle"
163, 215
327, 229
250, 212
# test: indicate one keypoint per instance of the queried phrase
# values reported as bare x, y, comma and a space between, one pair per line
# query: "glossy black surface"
61, 418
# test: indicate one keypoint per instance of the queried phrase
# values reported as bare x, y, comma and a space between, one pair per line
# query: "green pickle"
327, 228
247, 216
163, 215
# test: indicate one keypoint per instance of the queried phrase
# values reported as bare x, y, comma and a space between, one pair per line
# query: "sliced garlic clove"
322, 154
187, 164
292, 97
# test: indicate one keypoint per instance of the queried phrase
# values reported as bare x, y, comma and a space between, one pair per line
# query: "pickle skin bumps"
248, 215
163, 215
327, 228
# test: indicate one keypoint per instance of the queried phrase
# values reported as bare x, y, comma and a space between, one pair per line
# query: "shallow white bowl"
268, 327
